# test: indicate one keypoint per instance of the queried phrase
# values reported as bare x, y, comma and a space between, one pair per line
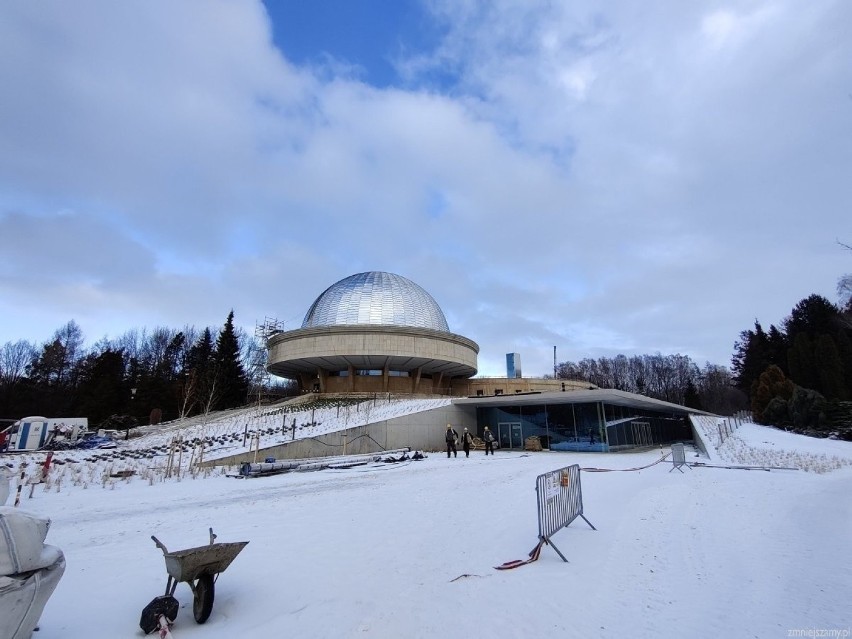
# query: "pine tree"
844, 350
230, 376
199, 388
770, 385
818, 341
751, 357
691, 397
777, 345
829, 369
814, 315
800, 357
103, 390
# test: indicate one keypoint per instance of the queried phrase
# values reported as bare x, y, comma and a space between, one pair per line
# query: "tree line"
671, 378
797, 375
141, 376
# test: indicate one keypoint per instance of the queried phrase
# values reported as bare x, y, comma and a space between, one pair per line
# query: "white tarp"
29, 571
4, 486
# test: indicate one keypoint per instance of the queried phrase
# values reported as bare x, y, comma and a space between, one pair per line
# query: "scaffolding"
261, 378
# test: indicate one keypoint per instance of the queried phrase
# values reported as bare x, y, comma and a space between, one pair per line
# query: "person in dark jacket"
467, 442
488, 436
451, 437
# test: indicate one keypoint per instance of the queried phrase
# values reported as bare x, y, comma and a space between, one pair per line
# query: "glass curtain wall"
506, 424
576, 427
587, 427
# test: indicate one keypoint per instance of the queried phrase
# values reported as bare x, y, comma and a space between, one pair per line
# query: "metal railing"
560, 501
678, 457
726, 427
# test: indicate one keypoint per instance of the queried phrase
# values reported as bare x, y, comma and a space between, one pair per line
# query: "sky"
598, 179
410, 549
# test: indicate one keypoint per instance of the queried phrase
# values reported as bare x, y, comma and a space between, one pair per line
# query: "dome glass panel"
377, 298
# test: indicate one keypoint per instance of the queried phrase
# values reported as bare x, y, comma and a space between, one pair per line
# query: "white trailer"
32, 433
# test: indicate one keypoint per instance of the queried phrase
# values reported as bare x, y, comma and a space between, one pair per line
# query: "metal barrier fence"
678, 457
560, 501
726, 427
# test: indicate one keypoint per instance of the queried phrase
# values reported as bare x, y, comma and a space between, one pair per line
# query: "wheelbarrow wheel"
162, 605
202, 604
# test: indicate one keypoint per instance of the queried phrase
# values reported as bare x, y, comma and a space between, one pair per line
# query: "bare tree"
211, 394
188, 392
14, 359
253, 359
130, 343
844, 290
70, 337
718, 391
157, 349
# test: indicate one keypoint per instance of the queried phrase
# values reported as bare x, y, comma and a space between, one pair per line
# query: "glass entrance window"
510, 435
517, 436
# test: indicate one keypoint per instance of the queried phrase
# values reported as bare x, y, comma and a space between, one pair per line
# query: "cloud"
603, 179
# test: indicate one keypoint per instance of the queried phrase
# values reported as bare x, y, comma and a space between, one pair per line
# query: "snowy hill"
409, 549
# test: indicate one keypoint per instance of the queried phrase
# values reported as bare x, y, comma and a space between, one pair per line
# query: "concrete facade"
328, 359
486, 386
419, 431
425, 429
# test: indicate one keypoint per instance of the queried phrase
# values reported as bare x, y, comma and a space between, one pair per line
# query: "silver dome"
376, 298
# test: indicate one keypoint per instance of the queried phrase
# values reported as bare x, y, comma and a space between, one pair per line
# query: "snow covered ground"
409, 549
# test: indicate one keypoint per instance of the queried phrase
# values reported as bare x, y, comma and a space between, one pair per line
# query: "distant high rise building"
513, 365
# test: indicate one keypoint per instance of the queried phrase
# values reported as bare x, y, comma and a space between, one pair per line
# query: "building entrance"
510, 435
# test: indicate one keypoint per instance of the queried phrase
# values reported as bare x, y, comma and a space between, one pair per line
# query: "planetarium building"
378, 332
374, 332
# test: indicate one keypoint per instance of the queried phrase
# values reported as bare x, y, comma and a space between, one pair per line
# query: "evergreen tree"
230, 377
814, 316
807, 409
800, 357
844, 350
691, 397
770, 385
819, 357
50, 366
168, 377
751, 357
199, 392
103, 390
777, 412
829, 369
777, 345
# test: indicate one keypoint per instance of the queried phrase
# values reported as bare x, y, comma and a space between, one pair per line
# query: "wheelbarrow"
200, 568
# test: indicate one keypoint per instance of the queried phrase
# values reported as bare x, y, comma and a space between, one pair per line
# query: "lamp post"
132, 411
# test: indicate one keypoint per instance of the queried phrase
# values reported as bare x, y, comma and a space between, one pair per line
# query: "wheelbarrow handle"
160, 545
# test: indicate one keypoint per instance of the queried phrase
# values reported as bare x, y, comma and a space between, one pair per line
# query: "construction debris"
532, 443
262, 469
